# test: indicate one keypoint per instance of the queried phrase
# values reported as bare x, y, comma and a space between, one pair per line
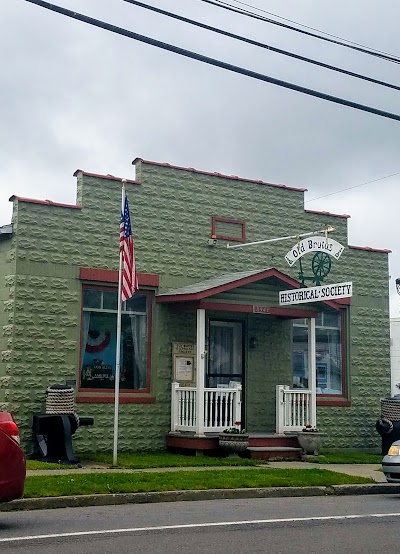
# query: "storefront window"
329, 360
99, 340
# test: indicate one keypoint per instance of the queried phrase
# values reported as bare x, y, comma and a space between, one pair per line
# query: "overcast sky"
74, 96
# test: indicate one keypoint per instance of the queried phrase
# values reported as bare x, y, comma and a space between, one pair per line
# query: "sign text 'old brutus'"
314, 244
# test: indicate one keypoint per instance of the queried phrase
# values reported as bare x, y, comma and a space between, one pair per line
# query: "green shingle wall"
269, 364
7, 270
171, 212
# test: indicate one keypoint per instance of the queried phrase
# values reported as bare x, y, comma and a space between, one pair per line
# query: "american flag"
126, 246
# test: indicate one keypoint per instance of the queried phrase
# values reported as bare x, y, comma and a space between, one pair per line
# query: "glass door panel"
225, 359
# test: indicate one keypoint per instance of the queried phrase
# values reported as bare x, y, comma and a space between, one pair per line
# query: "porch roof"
215, 285
6, 231
228, 281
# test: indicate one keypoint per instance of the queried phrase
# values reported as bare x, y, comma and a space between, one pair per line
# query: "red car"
12, 460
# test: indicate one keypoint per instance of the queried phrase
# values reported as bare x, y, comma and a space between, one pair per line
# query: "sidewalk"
372, 471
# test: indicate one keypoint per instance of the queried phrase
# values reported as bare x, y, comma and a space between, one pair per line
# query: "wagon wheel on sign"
321, 266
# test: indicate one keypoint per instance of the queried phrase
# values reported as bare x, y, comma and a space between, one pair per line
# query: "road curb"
47, 503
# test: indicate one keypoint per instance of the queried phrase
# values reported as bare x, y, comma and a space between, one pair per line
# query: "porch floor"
262, 446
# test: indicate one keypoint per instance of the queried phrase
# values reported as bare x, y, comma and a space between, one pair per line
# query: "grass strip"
348, 458
164, 459
112, 483
37, 464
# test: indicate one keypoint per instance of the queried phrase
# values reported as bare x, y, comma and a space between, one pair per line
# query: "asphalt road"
356, 524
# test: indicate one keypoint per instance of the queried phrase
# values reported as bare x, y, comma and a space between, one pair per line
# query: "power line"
371, 52
354, 187
342, 42
308, 27
211, 61
261, 44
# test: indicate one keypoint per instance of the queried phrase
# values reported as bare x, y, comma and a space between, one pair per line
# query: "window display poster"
98, 359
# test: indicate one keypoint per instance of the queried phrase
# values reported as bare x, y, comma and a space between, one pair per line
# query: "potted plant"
234, 439
310, 440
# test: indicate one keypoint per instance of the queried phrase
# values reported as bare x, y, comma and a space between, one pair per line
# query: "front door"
225, 359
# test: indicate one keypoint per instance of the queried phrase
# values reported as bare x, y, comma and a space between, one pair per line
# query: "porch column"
312, 370
200, 371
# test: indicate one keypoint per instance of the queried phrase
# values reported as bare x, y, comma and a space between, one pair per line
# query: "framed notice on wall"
183, 362
184, 368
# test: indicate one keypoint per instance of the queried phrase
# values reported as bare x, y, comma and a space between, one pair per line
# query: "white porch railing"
222, 408
294, 409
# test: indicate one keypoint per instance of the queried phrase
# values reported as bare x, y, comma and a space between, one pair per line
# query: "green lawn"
144, 461
348, 458
102, 483
164, 459
36, 464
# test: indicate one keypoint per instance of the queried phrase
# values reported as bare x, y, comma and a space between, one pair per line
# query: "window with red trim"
224, 228
99, 340
329, 353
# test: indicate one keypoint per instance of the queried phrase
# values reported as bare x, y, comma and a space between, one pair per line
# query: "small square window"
136, 304
224, 228
92, 298
331, 320
110, 300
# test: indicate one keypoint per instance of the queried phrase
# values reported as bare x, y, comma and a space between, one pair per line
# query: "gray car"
391, 463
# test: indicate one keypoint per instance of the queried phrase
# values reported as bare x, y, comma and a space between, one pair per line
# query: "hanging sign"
314, 244
316, 294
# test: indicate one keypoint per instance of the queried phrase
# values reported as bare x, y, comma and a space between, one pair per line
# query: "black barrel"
388, 425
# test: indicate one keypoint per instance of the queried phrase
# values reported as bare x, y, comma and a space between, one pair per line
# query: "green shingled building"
206, 323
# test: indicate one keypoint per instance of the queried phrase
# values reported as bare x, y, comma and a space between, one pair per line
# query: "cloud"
74, 96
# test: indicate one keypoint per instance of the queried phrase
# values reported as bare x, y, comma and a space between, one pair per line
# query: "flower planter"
310, 442
234, 443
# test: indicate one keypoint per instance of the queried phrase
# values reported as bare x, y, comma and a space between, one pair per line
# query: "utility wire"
260, 44
354, 187
378, 54
308, 27
211, 61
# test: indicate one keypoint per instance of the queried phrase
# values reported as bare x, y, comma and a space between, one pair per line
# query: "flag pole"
118, 346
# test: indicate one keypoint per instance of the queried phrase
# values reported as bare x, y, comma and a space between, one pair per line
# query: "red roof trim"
369, 249
108, 176
215, 174
294, 313
224, 307
43, 202
344, 216
111, 276
268, 273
